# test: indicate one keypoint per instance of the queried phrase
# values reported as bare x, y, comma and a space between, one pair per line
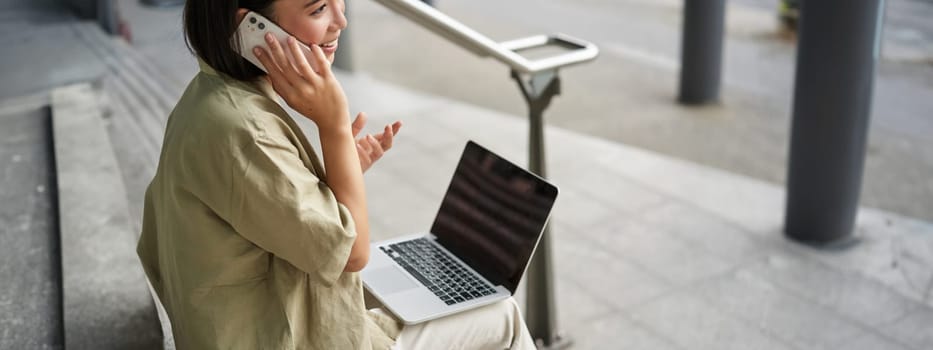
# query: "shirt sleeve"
281, 206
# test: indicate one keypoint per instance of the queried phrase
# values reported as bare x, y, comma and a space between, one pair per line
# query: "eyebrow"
310, 2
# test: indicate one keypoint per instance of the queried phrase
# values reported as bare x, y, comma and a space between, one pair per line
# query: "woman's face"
313, 22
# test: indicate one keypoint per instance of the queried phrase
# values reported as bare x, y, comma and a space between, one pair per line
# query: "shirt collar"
206, 68
261, 84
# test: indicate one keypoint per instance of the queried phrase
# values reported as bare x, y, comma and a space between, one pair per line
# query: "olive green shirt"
242, 239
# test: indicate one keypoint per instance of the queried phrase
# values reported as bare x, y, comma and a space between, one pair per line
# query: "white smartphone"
252, 32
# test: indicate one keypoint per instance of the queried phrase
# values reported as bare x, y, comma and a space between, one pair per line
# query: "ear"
241, 14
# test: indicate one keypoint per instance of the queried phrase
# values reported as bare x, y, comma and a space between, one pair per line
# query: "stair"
30, 264
71, 261
106, 300
138, 99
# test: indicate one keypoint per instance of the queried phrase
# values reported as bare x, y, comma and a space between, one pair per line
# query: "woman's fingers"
319, 61
366, 148
388, 134
365, 161
358, 123
275, 74
301, 62
275, 51
279, 55
266, 60
375, 148
364, 144
372, 147
386, 141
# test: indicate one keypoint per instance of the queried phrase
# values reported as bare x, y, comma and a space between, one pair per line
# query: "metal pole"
540, 310
836, 58
701, 51
343, 59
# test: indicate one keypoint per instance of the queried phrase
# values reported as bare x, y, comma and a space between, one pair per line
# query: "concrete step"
105, 295
123, 59
129, 83
30, 264
137, 99
101, 296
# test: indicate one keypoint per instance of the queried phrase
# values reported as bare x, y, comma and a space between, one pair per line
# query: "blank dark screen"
493, 214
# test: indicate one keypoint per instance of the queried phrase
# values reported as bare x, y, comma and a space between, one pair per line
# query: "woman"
246, 240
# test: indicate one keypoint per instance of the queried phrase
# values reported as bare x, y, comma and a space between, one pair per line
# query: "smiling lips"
329, 47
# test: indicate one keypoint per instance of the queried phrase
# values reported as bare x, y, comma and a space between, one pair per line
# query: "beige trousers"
494, 327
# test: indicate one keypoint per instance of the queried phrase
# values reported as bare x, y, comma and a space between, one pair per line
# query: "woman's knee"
507, 309
513, 306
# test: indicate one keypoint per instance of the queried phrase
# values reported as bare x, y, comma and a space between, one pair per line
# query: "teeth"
329, 44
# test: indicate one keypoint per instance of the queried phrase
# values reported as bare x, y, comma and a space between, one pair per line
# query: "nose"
340, 18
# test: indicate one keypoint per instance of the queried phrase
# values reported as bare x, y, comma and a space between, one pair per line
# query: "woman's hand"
312, 91
370, 148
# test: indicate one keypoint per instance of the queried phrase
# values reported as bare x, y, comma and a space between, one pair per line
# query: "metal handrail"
481, 45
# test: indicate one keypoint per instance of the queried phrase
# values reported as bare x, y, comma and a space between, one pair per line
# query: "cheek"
313, 34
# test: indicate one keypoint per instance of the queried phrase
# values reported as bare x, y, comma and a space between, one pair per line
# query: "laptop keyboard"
432, 267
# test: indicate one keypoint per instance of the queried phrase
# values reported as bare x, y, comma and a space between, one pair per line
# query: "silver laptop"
483, 236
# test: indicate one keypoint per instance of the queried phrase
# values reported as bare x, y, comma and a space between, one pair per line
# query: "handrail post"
540, 310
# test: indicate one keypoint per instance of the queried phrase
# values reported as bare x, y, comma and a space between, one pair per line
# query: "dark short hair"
209, 29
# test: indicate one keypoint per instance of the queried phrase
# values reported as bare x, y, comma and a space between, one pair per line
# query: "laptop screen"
493, 214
